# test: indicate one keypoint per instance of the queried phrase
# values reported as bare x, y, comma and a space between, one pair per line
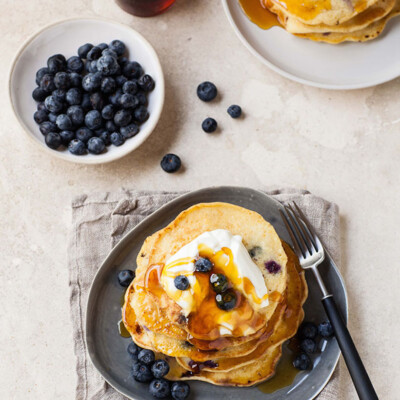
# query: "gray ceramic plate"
107, 349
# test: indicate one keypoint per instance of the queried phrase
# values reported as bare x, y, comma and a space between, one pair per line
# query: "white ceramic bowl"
65, 37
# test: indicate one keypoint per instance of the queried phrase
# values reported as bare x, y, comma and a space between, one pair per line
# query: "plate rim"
293, 77
116, 249
65, 156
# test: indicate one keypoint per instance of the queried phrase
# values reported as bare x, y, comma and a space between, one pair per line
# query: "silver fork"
310, 252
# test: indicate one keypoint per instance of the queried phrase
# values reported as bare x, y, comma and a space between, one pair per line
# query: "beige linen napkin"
99, 221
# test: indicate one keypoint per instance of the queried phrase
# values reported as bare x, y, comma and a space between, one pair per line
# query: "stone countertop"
343, 146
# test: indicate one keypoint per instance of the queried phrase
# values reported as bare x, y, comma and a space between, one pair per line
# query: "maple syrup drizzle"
122, 330
258, 14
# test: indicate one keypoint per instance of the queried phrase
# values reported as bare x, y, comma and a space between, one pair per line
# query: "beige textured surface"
343, 146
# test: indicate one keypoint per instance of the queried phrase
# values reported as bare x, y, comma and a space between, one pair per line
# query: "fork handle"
358, 373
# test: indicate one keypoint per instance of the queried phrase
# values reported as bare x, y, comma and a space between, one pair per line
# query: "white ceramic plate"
342, 66
65, 37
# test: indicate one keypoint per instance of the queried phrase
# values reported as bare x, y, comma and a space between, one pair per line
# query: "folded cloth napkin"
99, 221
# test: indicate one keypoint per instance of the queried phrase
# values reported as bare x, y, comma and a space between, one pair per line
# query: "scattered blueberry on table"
209, 125
170, 163
207, 91
234, 111
92, 100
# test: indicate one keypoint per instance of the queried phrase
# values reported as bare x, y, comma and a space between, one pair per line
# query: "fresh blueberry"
105, 137
308, 330
122, 117
73, 96
75, 64
114, 98
234, 111
77, 147
146, 83
47, 127
64, 122
133, 349
53, 140
272, 267
118, 47
84, 134
95, 145
117, 139
180, 390
47, 83
91, 66
108, 112
128, 101
181, 282
160, 368
111, 127
206, 91
40, 73
108, 85
146, 356
75, 79
59, 94
209, 125
123, 60
40, 116
41, 107
142, 99
53, 104
170, 163
93, 119
219, 282
84, 50
302, 362
141, 114
129, 130
107, 65
66, 137
91, 82
97, 101
132, 70
94, 53
76, 114
325, 329
109, 52
308, 346
130, 87
56, 63
141, 372
120, 80
203, 265
86, 104
62, 80
226, 301
159, 388
103, 46
52, 117
39, 94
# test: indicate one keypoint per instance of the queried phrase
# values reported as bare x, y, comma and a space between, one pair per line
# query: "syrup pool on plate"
258, 14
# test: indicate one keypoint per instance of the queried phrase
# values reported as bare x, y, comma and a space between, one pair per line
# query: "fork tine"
292, 235
317, 243
300, 239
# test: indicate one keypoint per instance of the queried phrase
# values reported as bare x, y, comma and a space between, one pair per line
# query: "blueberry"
180, 390
114, 98
97, 101
308, 346
108, 112
47, 127
120, 80
52, 117
86, 104
203, 265
84, 50
209, 125
105, 137
159, 388
141, 372
40, 73
103, 46
111, 127
53, 104
40, 116
234, 111
109, 52
62, 80
132, 70
170, 163
206, 91
84, 134
39, 94
75, 79
63, 122
226, 301
73, 96
53, 140
308, 330
117, 139
302, 362
160, 368
129, 130
93, 119
107, 65
325, 329
122, 117
94, 53
272, 267
77, 147
91, 81
146, 83
123, 60
128, 101
76, 115
95, 145
47, 83
133, 349
219, 283
56, 63
66, 137
181, 282
146, 356
118, 47
141, 114
59, 94
142, 99
91, 66
75, 64
130, 87
108, 85
41, 107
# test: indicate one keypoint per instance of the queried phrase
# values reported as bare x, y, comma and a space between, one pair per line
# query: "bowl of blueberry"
87, 90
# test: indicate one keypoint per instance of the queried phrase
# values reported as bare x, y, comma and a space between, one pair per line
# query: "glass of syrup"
144, 8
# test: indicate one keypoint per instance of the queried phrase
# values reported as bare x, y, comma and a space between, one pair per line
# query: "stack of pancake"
334, 21
236, 347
